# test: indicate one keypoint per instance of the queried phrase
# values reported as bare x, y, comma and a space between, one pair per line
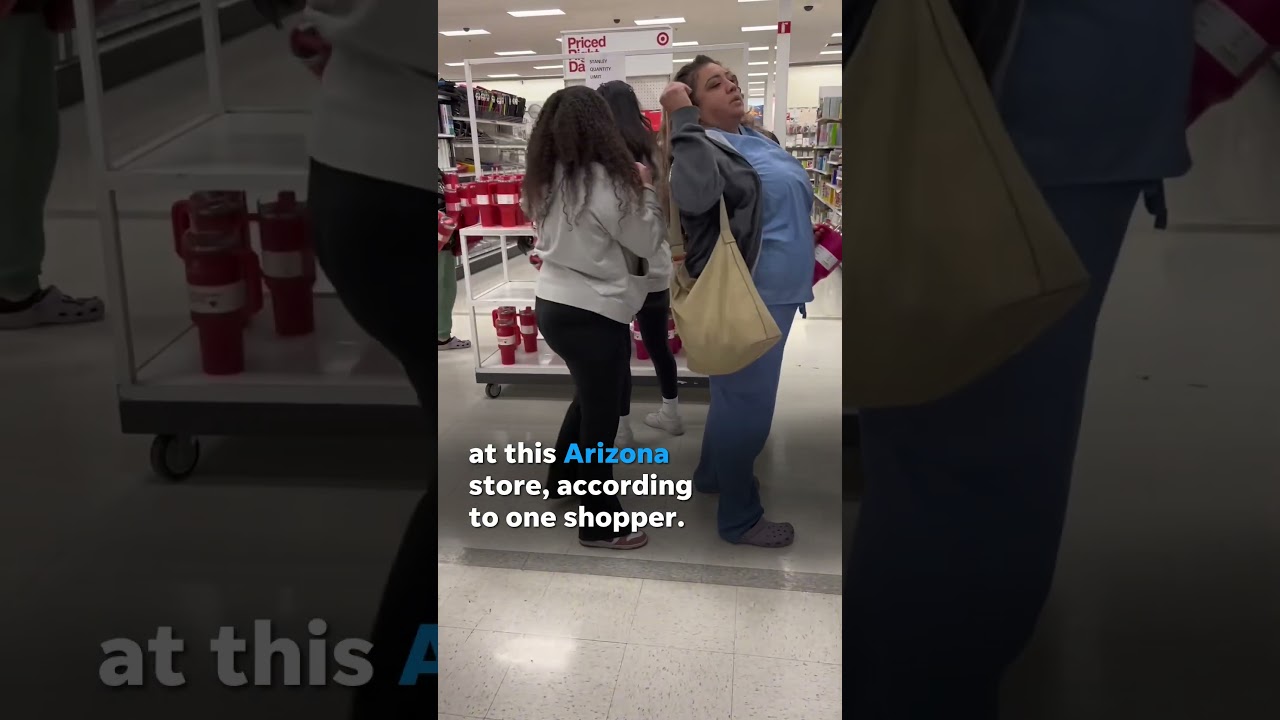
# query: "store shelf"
824, 201
544, 367
496, 231
255, 151
513, 292
337, 365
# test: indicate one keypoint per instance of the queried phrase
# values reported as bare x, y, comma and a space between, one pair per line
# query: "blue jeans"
738, 424
964, 506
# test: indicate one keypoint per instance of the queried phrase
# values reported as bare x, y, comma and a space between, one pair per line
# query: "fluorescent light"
661, 21
455, 64
534, 13
759, 62
681, 60
508, 53
505, 75
684, 44
758, 28
757, 49
460, 33
757, 74
837, 34
830, 52
548, 67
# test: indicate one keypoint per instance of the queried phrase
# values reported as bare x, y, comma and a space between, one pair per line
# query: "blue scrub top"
784, 271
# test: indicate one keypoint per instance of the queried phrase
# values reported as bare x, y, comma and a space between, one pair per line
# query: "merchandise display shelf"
546, 368
255, 150
543, 367
336, 381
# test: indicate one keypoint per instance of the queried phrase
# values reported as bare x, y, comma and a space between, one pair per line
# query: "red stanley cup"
529, 330
218, 211
446, 226
216, 289
508, 338
288, 264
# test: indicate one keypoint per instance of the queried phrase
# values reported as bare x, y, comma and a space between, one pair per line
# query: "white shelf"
512, 292
256, 151
338, 364
497, 231
545, 362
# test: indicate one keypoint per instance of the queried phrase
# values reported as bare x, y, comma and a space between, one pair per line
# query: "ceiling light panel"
661, 21
461, 33
510, 53
534, 13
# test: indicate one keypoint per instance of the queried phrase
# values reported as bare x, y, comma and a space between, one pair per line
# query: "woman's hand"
646, 175
676, 96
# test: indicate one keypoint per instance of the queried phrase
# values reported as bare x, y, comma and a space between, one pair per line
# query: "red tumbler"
216, 291
529, 329
288, 264
508, 338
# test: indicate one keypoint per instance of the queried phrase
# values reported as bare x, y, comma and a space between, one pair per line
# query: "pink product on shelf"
828, 251
673, 337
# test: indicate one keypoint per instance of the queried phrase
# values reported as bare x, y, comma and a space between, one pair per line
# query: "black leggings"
378, 271
594, 349
652, 319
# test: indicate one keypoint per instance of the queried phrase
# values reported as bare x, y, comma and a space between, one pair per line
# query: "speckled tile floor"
529, 645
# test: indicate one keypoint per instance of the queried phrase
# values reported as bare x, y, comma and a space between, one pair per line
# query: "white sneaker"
670, 423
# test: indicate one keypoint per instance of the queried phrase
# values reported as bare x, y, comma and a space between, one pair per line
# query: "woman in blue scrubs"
769, 198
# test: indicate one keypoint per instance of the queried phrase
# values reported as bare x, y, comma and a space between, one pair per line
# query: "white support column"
781, 68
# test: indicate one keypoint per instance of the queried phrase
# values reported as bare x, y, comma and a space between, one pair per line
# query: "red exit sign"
784, 27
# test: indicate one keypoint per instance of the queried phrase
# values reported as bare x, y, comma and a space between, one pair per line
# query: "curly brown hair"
576, 130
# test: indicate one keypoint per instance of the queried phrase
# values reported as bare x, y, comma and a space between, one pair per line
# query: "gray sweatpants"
28, 148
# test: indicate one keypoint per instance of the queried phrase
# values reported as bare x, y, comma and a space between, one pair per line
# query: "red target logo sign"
663, 39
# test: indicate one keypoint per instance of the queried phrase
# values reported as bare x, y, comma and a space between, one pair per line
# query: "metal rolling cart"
337, 381
545, 367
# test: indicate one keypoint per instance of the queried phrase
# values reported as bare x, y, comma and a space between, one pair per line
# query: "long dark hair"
636, 129
575, 131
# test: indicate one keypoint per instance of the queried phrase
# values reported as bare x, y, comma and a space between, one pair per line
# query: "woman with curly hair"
652, 317
599, 223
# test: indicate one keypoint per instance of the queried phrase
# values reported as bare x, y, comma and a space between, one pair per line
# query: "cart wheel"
174, 457
493, 390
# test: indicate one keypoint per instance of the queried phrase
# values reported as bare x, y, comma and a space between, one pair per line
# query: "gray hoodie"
377, 103
590, 253
704, 169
